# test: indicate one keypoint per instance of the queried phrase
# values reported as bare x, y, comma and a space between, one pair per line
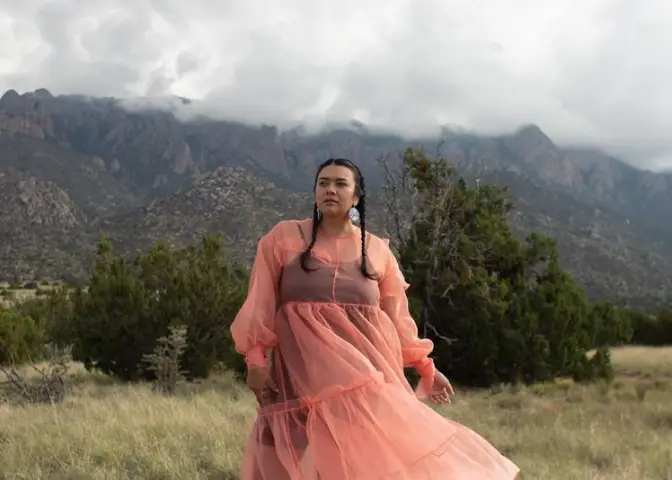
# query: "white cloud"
587, 71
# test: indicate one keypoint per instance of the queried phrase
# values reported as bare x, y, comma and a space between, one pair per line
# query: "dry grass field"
10, 296
555, 431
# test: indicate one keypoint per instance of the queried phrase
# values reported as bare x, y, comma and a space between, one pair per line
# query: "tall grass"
560, 430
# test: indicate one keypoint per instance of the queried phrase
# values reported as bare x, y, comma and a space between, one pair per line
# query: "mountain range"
73, 168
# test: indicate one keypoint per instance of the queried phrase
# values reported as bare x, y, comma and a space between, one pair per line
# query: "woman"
329, 299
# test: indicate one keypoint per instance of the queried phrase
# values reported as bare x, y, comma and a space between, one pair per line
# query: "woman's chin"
333, 212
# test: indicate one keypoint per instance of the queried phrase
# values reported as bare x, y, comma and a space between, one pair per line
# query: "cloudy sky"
586, 71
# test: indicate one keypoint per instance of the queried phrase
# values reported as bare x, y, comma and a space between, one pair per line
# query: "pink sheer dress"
340, 342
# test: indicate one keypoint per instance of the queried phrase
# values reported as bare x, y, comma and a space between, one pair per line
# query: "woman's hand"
259, 380
441, 389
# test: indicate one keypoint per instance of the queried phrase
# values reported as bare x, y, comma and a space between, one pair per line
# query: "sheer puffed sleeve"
394, 302
253, 329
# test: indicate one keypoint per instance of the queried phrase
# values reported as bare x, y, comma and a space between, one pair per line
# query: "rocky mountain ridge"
228, 201
144, 175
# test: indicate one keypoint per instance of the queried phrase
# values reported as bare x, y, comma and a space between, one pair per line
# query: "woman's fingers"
441, 397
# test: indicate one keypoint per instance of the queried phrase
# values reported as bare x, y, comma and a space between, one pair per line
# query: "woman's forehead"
336, 172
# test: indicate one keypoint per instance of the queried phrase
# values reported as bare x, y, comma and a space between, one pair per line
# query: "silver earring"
319, 214
353, 213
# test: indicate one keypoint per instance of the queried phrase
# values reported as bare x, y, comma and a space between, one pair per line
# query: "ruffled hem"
465, 456
372, 430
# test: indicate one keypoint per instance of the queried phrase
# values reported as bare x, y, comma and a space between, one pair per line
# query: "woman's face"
335, 191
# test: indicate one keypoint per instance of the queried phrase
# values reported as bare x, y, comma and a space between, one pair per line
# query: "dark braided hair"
361, 208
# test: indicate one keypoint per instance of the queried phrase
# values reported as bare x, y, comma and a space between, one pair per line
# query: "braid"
306, 255
361, 208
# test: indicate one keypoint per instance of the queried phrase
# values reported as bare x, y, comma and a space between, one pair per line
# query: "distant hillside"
229, 201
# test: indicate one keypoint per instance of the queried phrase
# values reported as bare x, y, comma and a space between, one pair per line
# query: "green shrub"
52, 311
129, 306
498, 310
21, 338
652, 330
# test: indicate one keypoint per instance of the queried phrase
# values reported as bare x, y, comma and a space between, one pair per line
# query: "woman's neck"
337, 227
